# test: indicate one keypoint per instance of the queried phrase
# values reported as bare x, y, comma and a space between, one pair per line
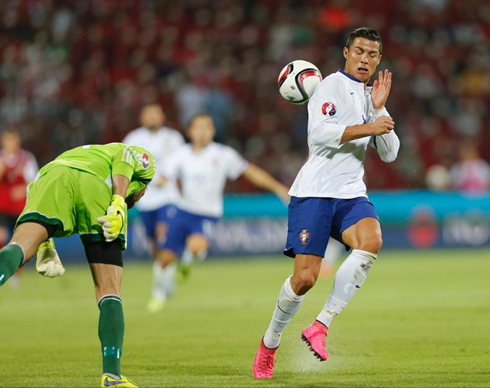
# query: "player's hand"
381, 89
113, 222
382, 125
48, 262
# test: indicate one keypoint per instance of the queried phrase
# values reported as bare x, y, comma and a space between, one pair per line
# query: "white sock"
348, 279
287, 305
158, 291
201, 256
169, 278
187, 257
163, 281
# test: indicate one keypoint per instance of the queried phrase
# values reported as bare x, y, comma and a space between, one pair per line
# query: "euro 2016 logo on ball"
297, 81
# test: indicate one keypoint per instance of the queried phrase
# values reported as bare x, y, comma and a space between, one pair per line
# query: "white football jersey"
203, 176
162, 144
335, 170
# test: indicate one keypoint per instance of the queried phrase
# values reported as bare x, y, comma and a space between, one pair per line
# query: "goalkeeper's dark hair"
367, 33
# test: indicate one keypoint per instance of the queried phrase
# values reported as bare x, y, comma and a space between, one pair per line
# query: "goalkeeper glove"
48, 262
113, 222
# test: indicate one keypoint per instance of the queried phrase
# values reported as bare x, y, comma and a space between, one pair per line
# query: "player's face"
135, 197
362, 58
152, 117
201, 131
11, 142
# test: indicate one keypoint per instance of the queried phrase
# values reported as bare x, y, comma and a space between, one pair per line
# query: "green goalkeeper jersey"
107, 160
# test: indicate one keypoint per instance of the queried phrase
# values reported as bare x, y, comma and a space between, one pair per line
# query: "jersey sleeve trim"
376, 114
123, 163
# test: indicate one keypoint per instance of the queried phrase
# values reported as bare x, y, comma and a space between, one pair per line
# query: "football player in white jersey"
328, 197
202, 167
158, 205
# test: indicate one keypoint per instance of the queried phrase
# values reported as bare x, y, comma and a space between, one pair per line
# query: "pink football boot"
315, 337
264, 362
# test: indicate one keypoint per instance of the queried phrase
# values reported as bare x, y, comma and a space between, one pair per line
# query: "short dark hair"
367, 33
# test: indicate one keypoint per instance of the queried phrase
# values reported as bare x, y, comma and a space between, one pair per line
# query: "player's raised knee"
196, 249
165, 257
371, 244
303, 281
197, 244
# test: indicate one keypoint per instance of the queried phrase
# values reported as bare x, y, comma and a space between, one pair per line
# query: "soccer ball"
297, 81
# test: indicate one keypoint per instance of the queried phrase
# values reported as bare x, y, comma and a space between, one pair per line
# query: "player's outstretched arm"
387, 146
264, 180
120, 185
380, 126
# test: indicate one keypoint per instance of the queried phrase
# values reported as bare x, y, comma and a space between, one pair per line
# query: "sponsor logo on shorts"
329, 109
304, 236
146, 160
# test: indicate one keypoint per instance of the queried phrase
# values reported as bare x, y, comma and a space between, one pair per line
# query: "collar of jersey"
365, 87
349, 76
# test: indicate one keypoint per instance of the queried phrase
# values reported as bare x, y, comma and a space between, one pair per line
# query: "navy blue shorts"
183, 225
311, 221
153, 217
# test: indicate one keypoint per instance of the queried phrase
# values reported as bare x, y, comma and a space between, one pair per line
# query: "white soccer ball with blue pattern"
297, 81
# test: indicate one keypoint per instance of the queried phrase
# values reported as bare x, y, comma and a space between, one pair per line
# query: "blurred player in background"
471, 174
86, 190
202, 167
158, 204
17, 168
328, 197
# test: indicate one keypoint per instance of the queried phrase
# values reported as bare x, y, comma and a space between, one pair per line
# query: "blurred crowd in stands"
76, 72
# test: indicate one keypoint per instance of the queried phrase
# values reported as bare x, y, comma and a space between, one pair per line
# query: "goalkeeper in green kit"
86, 190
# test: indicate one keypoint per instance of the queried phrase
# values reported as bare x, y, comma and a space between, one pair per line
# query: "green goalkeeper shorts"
71, 200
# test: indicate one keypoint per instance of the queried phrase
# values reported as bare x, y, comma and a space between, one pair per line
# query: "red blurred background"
76, 72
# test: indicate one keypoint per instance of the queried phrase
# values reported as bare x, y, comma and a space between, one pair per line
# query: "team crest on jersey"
304, 236
329, 109
146, 160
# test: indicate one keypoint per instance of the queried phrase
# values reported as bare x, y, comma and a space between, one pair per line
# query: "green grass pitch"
422, 319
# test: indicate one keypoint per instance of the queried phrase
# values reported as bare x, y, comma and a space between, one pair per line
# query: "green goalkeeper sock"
111, 333
11, 258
